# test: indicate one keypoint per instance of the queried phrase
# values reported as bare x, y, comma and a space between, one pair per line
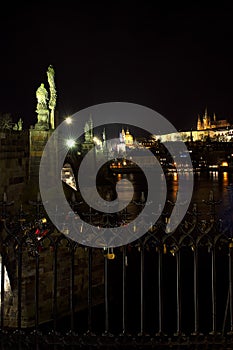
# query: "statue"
20, 124
50, 74
41, 109
42, 97
53, 95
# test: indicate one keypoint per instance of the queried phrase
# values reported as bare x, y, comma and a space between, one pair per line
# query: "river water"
209, 188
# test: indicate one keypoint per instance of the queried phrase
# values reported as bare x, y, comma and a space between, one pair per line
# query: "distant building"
207, 128
128, 138
88, 136
206, 122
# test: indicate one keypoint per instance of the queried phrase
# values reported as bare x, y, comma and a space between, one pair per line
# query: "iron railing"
161, 290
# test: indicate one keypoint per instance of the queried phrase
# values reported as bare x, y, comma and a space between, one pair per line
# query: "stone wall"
37, 142
14, 163
49, 271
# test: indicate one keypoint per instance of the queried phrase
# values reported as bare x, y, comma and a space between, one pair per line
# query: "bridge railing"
162, 288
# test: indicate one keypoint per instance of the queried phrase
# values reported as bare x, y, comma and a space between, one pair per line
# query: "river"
209, 187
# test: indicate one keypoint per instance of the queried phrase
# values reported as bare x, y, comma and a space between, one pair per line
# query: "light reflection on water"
204, 184
216, 182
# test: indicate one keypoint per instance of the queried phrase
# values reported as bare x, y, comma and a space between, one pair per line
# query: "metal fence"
161, 290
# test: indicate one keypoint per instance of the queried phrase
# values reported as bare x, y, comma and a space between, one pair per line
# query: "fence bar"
142, 256
89, 292
213, 289
230, 255
19, 286
160, 291
55, 289
195, 282
124, 290
2, 290
37, 293
72, 289
178, 295
106, 295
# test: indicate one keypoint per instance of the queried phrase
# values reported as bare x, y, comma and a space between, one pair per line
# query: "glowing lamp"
68, 120
70, 143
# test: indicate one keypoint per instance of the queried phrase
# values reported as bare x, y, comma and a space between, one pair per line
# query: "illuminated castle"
207, 128
206, 122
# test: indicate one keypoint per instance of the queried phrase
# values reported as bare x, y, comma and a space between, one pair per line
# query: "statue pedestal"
38, 141
41, 126
43, 119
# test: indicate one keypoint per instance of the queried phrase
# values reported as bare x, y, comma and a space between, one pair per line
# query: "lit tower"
199, 123
206, 121
88, 136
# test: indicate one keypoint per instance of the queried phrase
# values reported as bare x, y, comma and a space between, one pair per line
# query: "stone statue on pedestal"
19, 125
42, 109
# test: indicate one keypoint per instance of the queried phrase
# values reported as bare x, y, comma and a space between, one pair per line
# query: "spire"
206, 112
91, 127
199, 123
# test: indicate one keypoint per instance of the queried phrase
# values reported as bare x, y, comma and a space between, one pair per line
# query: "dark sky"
176, 59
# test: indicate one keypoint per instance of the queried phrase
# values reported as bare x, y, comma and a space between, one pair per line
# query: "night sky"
176, 59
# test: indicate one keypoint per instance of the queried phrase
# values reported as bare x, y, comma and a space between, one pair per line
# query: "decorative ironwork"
144, 290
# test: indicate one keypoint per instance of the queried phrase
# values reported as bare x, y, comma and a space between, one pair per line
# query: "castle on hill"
206, 122
207, 127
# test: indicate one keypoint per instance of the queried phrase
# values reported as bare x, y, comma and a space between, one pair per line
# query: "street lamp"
70, 143
68, 120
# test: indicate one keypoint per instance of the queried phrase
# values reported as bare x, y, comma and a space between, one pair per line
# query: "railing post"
2, 291
55, 289
37, 293
178, 295
195, 294
160, 291
106, 332
72, 289
89, 295
142, 257
19, 287
230, 255
124, 257
213, 289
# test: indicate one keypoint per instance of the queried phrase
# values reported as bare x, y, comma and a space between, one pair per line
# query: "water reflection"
204, 184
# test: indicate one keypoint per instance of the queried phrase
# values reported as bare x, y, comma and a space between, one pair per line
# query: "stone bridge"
46, 276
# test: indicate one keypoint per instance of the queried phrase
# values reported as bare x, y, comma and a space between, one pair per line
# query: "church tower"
88, 143
199, 123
